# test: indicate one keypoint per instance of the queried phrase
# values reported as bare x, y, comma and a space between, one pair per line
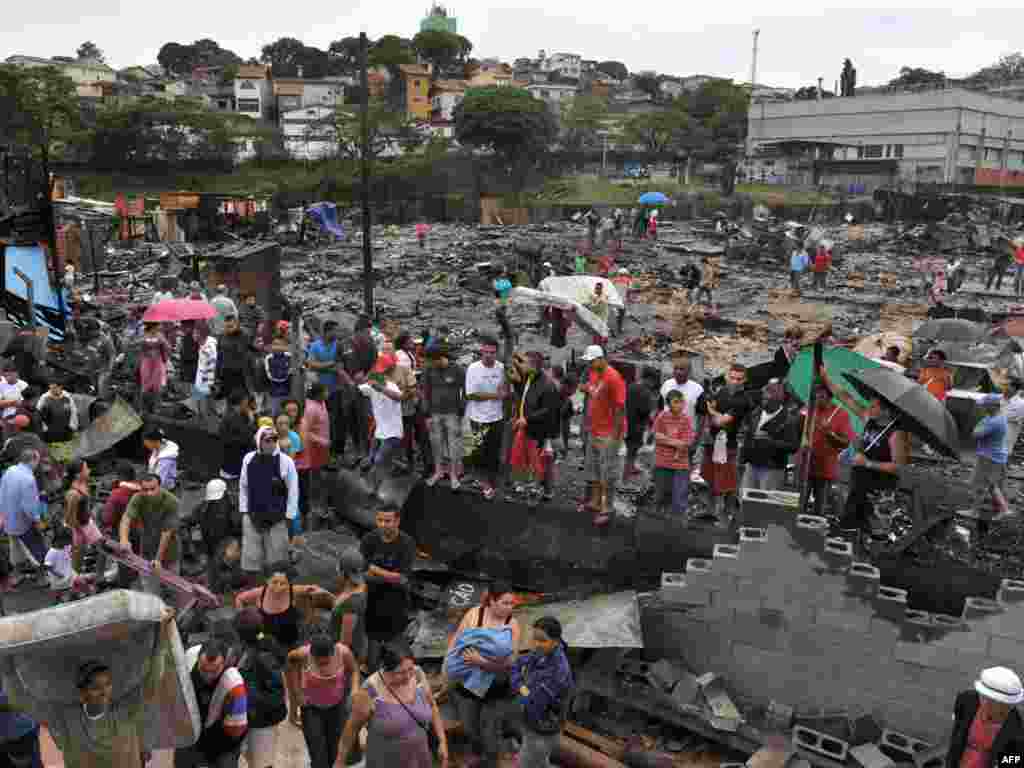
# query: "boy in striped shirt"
673, 434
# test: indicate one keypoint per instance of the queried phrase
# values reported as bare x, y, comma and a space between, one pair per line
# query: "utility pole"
753, 63
365, 167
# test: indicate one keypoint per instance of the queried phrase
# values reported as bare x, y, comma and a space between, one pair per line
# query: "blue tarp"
31, 259
326, 215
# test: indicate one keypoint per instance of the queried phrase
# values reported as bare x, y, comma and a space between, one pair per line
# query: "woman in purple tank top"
398, 709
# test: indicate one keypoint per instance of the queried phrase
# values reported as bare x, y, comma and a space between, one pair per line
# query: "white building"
898, 139
309, 133
253, 92
565, 64
553, 94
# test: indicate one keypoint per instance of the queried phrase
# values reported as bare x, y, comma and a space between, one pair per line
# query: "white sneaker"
696, 478
455, 483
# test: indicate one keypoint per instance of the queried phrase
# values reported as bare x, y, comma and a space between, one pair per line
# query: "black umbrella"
951, 329
917, 409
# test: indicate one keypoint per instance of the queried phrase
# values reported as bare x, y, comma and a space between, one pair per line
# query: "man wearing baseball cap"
606, 419
386, 402
987, 729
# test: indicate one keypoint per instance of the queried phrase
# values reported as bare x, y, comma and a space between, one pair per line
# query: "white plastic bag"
720, 453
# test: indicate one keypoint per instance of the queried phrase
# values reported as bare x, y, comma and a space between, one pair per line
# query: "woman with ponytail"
543, 680
261, 664
78, 515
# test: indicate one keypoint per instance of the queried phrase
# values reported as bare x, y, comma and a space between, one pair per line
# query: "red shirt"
667, 424
824, 452
609, 396
822, 260
1018, 255
980, 738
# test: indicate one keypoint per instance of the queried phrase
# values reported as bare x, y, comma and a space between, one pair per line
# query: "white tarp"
584, 316
580, 288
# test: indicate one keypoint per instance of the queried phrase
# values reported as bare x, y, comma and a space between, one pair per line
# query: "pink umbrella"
177, 310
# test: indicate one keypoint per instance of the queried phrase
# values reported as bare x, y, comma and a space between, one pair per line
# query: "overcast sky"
799, 41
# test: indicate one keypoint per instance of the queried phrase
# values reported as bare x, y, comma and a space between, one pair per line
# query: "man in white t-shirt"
386, 402
486, 391
11, 391
692, 392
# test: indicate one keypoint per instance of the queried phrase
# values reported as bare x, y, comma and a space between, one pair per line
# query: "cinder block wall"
787, 615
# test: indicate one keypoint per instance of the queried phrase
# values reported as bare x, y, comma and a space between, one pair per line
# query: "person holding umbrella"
877, 457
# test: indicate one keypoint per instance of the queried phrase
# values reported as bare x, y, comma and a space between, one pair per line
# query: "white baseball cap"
1000, 684
215, 489
623, 271
593, 353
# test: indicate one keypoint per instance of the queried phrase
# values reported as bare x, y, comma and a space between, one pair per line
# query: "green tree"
390, 52
343, 55
810, 93
445, 51
388, 130
658, 132
178, 59
1009, 67
582, 121
719, 119
287, 54
911, 77
507, 121
39, 112
89, 50
848, 79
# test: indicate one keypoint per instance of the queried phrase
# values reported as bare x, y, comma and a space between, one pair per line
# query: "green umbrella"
838, 360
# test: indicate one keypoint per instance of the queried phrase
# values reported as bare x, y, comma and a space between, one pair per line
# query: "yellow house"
416, 90
490, 77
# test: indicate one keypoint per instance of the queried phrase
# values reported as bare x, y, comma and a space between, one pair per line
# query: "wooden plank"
610, 747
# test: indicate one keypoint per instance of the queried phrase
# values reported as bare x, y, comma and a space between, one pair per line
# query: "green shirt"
112, 741
356, 605
154, 515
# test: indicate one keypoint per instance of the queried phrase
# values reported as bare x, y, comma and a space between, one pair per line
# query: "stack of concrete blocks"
786, 614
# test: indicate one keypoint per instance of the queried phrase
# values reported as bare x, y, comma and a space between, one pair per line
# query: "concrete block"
891, 602
945, 624
870, 756
697, 567
726, 559
1011, 592
761, 508
980, 608
838, 554
918, 626
863, 579
903, 743
810, 532
820, 743
848, 622
931, 758
752, 540
676, 590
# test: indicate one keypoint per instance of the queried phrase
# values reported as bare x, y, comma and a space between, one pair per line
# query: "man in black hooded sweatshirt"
234, 352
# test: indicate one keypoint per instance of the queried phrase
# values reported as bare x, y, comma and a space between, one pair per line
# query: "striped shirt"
667, 424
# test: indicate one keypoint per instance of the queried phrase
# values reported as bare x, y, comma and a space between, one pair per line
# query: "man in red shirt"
606, 417
832, 433
822, 264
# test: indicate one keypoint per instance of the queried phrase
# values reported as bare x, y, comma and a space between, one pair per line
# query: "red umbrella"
177, 310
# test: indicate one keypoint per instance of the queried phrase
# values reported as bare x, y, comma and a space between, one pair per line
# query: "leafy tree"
810, 93
287, 54
719, 119
178, 59
1009, 67
917, 76
615, 69
387, 129
391, 52
156, 134
343, 56
39, 112
582, 120
89, 50
658, 132
848, 79
445, 51
507, 121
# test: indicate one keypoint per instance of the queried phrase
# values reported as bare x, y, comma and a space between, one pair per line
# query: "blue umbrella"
653, 198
